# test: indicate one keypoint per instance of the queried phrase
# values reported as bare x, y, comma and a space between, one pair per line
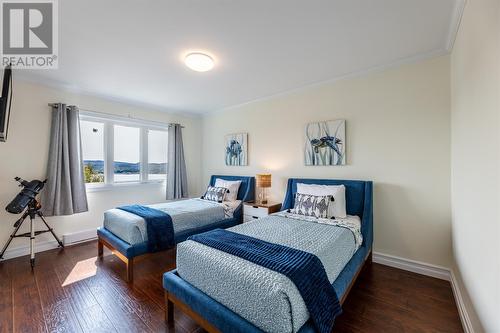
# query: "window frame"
109, 121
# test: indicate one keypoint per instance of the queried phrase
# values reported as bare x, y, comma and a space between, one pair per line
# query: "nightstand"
253, 210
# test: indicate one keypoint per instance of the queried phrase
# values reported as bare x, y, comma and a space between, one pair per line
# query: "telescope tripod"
32, 211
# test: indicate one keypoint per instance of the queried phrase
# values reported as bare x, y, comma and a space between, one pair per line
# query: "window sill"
117, 186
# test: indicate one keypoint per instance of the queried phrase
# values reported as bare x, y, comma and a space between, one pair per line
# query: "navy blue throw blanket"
304, 269
158, 226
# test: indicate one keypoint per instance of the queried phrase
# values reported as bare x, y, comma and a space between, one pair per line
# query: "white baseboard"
14, 252
68, 239
81, 236
462, 310
414, 266
380, 258
439, 272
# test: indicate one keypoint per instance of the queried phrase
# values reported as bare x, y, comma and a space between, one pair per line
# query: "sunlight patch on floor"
82, 270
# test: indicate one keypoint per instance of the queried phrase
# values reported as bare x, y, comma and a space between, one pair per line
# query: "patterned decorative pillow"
215, 193
312, 205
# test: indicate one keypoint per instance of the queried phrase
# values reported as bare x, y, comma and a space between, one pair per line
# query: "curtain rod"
127, 117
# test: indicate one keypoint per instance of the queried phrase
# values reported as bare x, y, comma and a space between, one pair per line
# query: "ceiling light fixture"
199, 62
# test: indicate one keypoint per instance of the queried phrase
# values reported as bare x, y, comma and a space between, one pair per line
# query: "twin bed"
253, 277
225, 293
125, 233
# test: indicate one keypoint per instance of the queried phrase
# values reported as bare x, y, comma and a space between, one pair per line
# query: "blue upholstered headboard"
247, 187
359, 200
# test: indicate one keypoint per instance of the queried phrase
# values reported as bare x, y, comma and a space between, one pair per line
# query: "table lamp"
263, 181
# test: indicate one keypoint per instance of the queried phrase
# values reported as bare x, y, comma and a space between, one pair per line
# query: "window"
127, 154
119, 150
157, 154
93, 151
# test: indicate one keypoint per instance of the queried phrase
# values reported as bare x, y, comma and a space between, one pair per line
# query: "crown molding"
356, 74
23, 77
456, 19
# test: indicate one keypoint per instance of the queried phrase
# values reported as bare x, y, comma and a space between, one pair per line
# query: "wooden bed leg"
100, 249
130, 270
169, 311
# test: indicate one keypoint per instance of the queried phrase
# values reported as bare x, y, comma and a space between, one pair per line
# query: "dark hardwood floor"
71, 291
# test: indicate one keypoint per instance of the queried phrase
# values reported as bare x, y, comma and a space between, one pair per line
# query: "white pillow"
232, 185
337, 208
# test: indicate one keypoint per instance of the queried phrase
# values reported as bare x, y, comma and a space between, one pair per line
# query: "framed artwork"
236, 150
325, 143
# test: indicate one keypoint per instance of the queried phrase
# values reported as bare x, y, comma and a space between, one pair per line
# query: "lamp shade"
263, 180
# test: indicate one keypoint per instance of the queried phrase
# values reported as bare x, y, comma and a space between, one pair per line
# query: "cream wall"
26, 150
398, 135
475, 127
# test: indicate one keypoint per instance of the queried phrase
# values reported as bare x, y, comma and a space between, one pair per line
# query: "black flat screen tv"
5, 101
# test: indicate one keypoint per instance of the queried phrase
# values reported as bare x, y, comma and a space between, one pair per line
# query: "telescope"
28, 193
25, 201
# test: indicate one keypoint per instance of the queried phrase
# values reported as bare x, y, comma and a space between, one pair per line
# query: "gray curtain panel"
176, 173
64, 193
